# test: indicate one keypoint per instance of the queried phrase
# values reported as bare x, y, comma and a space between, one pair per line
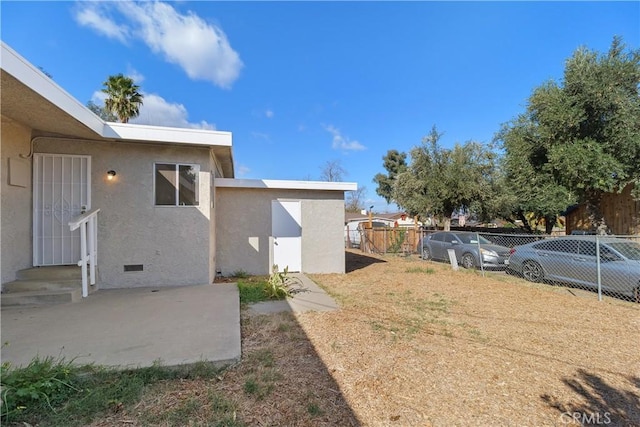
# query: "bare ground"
416, 344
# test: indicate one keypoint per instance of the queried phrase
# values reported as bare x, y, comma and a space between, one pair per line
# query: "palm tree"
123, 98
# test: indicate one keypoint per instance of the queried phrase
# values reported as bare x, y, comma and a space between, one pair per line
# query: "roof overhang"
167, 135
285, 184
29, 97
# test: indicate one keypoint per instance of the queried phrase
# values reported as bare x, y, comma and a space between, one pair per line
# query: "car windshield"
630, 250
473, 239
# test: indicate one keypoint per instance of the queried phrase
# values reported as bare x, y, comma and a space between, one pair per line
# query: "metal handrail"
88, 224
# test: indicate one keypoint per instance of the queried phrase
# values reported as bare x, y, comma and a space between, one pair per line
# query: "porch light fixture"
111, 174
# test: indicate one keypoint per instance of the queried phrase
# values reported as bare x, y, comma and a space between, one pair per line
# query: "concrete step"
42, 297
40, 285
51, 273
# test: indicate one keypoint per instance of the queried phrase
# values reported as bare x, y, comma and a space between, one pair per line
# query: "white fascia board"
167, 135
14, 64
285, 184
36, 80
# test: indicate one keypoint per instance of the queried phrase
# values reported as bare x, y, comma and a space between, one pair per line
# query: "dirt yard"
416, 344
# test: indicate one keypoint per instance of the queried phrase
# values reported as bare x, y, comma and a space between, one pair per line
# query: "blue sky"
303, 83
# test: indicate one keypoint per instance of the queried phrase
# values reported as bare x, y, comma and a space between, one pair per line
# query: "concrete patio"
129, 327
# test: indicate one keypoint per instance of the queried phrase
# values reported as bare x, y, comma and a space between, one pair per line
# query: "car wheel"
532, 271
426, 253
468, 261
636, 294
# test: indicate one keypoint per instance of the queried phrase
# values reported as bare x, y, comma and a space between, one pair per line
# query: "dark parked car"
468, 247
573, 260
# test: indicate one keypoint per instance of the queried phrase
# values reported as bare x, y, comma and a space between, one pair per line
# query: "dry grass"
416, 344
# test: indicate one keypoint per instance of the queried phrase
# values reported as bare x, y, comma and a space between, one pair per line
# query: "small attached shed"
294, 224
620, 211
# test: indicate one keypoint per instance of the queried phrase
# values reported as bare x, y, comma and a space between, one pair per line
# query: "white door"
61, 191
286, 229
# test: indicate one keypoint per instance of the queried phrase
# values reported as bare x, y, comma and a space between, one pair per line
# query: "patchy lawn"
416, 344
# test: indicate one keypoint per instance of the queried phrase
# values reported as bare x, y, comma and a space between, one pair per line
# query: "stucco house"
147, 205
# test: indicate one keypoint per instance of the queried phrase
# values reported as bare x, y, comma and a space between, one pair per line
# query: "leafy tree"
355, 200
395, 163
332, 171
580, 138
123, 99
440, 181
101, 112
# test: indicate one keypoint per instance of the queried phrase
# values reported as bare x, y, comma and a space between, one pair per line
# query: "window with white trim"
176, 184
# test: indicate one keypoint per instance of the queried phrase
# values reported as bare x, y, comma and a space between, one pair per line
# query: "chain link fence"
603, 265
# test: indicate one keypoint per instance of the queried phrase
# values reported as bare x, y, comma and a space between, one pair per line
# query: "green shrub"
42, 385
278, 285
397, 239
252, 291
55, 392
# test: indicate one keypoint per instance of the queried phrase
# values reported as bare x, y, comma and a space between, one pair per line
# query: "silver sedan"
470, 249
574, 260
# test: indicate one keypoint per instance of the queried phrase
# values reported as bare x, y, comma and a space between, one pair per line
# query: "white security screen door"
286, 229
61, 191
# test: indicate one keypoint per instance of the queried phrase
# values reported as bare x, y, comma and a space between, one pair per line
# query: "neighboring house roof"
366, 218
348, 216
28, 96
288, 185
397, 216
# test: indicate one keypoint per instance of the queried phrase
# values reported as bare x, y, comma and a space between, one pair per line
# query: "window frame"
177, 166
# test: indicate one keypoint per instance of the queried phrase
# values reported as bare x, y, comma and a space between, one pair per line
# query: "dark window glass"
472, 238
450, 238
188, 185
165, 184
588, 248
558, 245
176, 184
630, 250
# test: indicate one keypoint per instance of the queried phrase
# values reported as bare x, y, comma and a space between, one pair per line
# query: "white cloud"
94, 16
134, 74
269, 114
201, 49
157, 111
98, 97
341, 142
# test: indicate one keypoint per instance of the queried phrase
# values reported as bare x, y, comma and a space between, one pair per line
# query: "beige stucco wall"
15, 205
243, 227
212, 217
172, 243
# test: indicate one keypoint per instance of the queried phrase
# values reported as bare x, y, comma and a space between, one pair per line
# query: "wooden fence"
390, 240
619, 210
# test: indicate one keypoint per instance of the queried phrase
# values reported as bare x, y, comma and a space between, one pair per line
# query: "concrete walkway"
307, 296
129, 327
